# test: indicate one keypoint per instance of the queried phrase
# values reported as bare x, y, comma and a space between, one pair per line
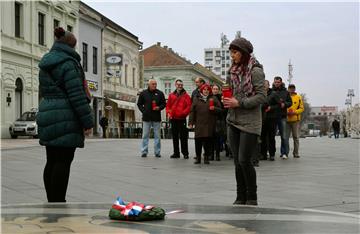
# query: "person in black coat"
104, 123
336, 128
151, 102
220, 126
268, 127
196, 93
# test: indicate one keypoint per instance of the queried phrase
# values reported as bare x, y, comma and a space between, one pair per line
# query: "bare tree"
307, 108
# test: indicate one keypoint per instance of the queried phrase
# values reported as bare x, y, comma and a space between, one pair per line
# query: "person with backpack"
64, 116
293, 120
244, 116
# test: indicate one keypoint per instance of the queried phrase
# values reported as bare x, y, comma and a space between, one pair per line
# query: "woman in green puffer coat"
64, 116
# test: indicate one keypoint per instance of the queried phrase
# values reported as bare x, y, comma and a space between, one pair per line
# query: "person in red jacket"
178, 108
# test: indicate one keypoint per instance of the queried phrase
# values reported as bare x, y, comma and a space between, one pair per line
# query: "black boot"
217, 156
197, 160
206, 159
251, 202
239, 202
211, 158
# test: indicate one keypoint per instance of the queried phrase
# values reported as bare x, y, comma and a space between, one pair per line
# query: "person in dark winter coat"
203, 117
178, 108
336, 128
65, 116
269, 115
104, 123
151, 102
280, 113
220, 126
244, 116
196, 93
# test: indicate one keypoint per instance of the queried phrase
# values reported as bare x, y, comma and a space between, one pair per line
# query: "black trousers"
242, 145
57, 172
104, 131
268, 133
180, 131
203, 142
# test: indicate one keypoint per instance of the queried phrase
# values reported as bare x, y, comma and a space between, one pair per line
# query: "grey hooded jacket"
247, 117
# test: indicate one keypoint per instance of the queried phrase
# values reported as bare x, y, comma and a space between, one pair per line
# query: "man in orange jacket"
178, 108
293, 119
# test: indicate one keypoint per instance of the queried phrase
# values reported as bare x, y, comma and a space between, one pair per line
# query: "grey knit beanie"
241, 44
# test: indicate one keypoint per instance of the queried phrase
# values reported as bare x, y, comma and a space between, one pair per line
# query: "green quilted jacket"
64, 111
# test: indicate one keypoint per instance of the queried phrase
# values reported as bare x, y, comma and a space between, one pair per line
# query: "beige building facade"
26, 35
122, 71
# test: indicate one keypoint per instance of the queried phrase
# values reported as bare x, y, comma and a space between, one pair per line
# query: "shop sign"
93, 85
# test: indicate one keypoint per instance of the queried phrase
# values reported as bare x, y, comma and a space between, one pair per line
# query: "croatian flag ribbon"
131, 208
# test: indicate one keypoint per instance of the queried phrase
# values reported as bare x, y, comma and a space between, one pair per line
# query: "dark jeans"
268, 133
281, 124
242, 145
179, 130
57, 172
218, 142
336, 133
104, 131
201, 142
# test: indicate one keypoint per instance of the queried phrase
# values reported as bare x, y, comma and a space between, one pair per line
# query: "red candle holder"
211, 103
226, 91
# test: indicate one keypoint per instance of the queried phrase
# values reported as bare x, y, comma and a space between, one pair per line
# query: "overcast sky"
321, 39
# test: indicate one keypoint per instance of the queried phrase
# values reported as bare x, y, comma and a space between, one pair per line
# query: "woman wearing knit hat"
244, 116
203, 116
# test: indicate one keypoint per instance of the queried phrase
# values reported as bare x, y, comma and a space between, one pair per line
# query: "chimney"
170, 49
165, 47
158, 43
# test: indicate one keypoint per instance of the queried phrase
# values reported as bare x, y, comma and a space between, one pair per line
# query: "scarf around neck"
236, 77
203, 97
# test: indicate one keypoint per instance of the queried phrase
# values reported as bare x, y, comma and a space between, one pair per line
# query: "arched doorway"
18, 98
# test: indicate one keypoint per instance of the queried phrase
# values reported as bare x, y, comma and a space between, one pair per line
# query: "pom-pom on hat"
59, 32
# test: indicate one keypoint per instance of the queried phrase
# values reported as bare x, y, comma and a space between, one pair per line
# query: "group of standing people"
251, 111
206, 116
281, 113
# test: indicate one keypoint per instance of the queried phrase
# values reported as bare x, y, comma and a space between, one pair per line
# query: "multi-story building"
121, 76
166, 66
90, 46
26, 35
218, 60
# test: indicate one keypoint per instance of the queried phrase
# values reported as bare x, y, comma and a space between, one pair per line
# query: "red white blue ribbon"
131, 208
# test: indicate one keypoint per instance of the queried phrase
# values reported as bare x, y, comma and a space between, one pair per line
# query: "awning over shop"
123, 104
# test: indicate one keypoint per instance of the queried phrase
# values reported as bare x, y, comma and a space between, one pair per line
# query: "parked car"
25, 125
